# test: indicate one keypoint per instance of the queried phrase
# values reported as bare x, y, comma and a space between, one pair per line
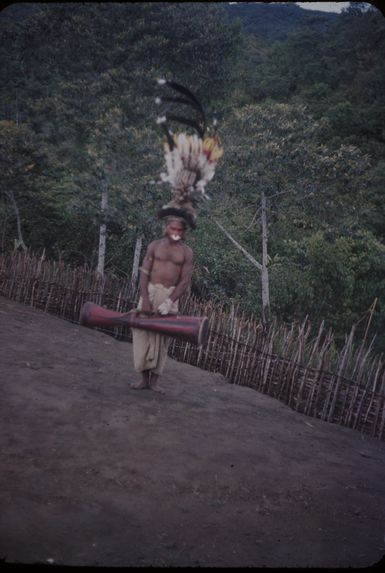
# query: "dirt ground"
210, 474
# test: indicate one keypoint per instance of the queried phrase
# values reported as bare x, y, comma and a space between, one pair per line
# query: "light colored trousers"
150, 348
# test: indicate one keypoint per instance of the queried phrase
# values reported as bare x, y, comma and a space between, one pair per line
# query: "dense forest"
300, 101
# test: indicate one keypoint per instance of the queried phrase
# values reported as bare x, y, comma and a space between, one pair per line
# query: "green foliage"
23, 186
300, 99
87, 93
220, 274
339, 72
317, 199
336, 278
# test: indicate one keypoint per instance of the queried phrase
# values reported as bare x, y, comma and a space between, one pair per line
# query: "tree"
18, 162
84, 78
274, 151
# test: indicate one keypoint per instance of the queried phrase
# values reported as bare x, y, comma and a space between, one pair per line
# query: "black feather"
185, 102
186, 92
170, 140
190, 122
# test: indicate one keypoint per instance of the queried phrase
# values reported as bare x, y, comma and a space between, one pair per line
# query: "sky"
324, 6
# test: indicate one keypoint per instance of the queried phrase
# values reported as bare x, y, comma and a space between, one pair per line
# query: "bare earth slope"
94, 473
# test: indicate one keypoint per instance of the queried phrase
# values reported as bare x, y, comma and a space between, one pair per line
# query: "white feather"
184, 162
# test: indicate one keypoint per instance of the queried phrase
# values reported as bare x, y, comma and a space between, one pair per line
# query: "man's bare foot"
156, 388
144, 383
154, 384
140, 386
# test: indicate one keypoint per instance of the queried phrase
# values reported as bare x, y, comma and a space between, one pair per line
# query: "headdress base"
179, 213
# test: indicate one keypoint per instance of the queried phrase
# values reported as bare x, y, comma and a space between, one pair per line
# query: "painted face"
175, 231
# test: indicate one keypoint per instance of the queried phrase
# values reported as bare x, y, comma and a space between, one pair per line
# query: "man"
167, 268
165, 276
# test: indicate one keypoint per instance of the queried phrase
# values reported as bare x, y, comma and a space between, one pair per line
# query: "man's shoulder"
155, 243
188, 250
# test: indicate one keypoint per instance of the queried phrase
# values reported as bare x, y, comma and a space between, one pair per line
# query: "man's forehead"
175, 221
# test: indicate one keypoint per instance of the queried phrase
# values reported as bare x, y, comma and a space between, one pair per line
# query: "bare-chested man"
165, 277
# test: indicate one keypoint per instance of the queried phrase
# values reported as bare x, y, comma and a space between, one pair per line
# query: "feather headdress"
190, 159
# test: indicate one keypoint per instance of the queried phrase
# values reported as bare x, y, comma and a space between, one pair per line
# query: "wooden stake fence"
345, 387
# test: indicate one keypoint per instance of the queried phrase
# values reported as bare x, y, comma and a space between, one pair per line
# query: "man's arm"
185, 277
145, 272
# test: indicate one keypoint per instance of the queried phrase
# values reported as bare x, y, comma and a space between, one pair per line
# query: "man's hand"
165, 307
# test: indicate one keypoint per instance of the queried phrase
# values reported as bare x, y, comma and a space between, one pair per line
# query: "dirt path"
93, 473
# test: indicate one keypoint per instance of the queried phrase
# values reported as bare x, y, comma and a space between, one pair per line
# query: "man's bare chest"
175, 255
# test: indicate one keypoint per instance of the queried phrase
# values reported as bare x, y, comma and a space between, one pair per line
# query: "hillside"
96, 474
270, 22
274, 21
